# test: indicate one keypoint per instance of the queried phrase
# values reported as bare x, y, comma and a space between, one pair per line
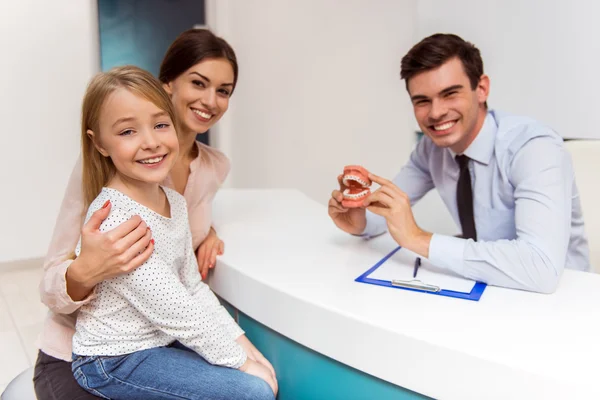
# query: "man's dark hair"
435, 50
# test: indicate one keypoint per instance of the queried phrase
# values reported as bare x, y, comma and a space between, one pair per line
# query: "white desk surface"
287, 266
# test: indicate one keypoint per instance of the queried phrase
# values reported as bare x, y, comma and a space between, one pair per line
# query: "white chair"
20, 388
586, 162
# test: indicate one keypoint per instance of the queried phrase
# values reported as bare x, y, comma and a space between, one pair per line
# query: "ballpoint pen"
417, 265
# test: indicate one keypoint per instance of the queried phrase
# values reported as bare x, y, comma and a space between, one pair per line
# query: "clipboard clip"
415, 284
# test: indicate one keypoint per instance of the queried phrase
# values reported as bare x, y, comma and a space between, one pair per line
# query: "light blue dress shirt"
526, 205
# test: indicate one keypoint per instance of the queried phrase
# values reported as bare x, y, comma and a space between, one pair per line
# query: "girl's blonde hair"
98, 169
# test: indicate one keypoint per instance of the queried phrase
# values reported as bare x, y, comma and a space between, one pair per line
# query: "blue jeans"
172, 372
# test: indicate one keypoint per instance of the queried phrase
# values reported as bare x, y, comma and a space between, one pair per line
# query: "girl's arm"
157, 292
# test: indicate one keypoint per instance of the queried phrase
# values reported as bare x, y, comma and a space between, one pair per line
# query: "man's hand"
208, 251
394, 205
350, 220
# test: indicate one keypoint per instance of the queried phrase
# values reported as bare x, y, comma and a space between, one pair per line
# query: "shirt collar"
482, 147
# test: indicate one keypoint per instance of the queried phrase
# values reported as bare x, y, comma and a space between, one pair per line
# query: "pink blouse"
207, 173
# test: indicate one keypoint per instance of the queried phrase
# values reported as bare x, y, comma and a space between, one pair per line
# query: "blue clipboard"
474, 295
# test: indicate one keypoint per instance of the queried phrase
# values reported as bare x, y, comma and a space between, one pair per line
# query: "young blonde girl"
157, 332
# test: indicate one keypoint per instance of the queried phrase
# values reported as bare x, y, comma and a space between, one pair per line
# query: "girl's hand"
253, 368
208, 251
108, 254
253, 353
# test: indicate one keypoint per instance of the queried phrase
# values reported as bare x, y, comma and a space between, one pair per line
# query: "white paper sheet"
400, 266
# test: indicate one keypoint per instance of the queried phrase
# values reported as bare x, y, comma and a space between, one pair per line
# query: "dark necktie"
464, 199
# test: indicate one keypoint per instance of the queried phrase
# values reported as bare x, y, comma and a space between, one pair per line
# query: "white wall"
319, 81
49, 52
319, 88
542, 55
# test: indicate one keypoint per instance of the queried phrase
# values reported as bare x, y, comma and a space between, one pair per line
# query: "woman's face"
201, 94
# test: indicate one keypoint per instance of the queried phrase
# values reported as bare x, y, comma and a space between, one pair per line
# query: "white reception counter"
288, 267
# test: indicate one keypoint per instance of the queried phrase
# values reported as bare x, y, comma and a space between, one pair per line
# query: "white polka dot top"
161, 301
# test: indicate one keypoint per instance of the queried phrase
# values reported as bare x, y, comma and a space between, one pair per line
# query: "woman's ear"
94, 140
168, 89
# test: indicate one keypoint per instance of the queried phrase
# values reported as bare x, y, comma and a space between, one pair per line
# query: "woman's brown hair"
98, 169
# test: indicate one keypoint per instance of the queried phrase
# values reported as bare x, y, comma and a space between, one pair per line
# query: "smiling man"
507, 180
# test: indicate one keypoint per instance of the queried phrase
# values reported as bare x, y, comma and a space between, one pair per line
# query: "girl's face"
201, 94
138, 136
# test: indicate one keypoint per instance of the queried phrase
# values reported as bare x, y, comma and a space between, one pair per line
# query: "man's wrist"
359, 227
420, 242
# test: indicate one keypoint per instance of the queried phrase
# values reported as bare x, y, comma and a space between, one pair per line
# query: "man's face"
446, 108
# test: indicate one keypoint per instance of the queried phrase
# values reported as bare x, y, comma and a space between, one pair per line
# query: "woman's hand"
253, 353
107, 254
208, 251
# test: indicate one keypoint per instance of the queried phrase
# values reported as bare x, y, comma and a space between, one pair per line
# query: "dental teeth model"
357, 182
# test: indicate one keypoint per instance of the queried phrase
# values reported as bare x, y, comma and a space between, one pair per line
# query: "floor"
21, 317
